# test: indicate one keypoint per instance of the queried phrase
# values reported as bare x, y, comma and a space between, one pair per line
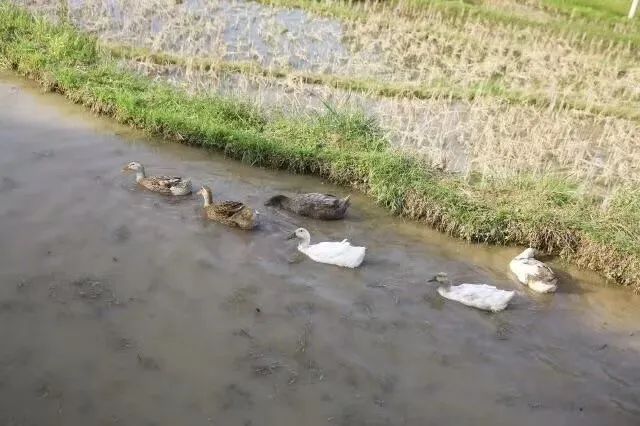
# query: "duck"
313, 204
533, 273
231, 213
170, 185
334, 253
480, 296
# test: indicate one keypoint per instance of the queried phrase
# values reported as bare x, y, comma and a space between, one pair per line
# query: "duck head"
133, 166
205, 191
529, 253
276, 200
301, 234
440, 278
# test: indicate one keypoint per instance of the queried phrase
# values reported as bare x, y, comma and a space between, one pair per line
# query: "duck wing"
336, 253
166, 181
480, 296
537, 270
227, 208
318, 206
315, 199
328, 250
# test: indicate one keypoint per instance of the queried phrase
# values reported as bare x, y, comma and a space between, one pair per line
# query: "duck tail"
247, 218
182, 188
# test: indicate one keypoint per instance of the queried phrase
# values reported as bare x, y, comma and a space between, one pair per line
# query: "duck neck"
285, 202
140, 174
444, 283
304, 242
277, 200
207, 198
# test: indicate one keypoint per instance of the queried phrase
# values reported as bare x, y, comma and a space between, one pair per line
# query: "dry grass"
484, 137
431, 48
487, 136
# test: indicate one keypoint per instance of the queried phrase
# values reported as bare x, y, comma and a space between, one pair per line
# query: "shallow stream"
120, 306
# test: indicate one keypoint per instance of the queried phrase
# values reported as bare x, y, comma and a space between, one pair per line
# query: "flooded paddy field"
120, 306
591, 140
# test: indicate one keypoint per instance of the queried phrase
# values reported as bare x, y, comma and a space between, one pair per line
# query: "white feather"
334, 253
533, 273
481, 296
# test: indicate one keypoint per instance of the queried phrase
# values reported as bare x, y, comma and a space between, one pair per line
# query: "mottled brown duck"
170, 185
230, 213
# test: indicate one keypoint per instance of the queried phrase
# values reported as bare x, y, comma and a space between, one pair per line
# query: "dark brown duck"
315, 205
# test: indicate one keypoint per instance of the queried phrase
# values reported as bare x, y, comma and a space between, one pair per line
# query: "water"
119, 306
235, 30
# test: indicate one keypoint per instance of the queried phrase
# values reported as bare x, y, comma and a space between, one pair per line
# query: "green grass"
344, 147
596, 20
592, 9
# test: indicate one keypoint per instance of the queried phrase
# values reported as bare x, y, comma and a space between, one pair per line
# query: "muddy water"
118, 306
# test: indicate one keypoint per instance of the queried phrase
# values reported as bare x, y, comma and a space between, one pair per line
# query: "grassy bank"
430, 53
346, 148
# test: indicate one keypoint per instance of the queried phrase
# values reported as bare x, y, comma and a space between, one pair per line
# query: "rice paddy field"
520, 119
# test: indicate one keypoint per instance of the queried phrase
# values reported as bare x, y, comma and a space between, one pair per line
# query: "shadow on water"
119, 306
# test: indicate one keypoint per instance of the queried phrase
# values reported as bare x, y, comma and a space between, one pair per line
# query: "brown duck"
315, 205
170, 185
231, 213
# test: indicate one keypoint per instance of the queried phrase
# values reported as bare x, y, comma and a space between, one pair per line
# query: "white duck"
533, 273
335, 253
480, 296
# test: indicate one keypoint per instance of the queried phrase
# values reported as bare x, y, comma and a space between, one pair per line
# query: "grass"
583, 14
453, 88
370, 86
592, 9
427, 56
490, 137
345, 147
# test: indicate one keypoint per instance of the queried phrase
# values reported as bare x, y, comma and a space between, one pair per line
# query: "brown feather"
316, 205
226, 208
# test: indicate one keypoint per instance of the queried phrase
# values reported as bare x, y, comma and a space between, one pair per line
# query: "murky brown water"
118, 306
